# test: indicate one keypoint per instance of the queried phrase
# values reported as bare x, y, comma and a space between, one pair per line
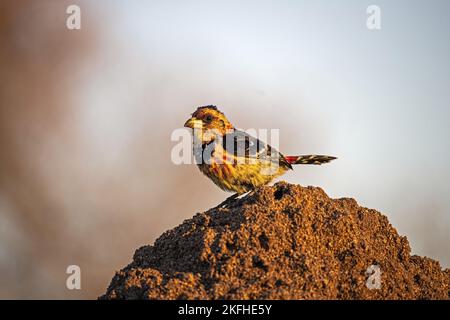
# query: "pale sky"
95, 168
379, 100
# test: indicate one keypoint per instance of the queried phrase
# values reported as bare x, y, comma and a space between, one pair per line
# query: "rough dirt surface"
280, 242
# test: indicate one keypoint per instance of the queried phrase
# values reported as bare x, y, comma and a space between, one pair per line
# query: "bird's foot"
227, 201
243, 195
235, 196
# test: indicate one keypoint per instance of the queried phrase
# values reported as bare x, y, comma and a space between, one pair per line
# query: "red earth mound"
281, 242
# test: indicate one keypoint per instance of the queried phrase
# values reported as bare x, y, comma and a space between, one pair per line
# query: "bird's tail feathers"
309, 159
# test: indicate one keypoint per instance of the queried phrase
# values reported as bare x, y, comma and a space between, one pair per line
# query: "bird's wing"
242, 145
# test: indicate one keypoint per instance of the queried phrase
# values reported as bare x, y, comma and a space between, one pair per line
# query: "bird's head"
209, 118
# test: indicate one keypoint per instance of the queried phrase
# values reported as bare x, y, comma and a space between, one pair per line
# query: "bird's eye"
208, 118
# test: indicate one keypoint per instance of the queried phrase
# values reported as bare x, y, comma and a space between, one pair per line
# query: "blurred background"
86, 116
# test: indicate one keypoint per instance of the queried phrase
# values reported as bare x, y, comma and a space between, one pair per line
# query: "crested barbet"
234, 160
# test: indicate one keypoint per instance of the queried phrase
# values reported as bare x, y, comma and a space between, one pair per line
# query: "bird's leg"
231, 198
242, 195
227, 201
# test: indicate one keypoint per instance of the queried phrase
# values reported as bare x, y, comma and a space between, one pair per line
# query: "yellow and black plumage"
235, 161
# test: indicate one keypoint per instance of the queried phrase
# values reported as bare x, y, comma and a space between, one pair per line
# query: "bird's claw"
228, 200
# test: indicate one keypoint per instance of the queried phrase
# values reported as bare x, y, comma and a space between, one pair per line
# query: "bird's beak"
193, 123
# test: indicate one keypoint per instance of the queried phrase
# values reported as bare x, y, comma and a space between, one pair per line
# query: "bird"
233, 159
